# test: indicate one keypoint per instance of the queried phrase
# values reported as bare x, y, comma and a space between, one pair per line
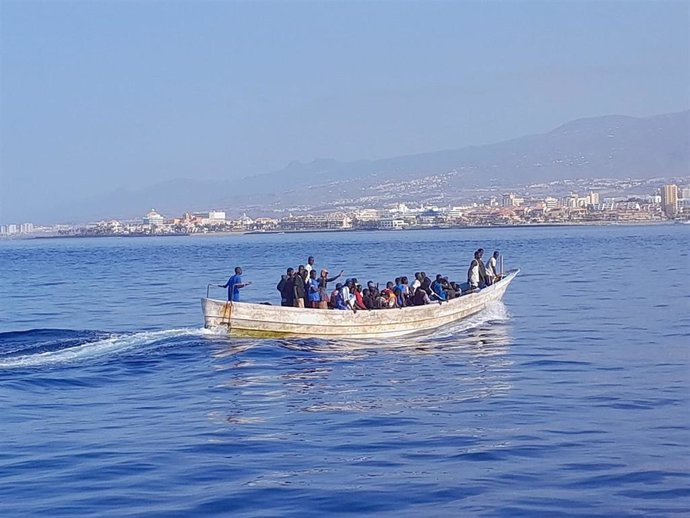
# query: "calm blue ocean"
570, 398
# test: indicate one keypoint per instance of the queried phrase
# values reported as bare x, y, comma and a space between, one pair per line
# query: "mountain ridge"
609, 146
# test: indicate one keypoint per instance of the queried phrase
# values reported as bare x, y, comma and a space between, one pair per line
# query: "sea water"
569, 398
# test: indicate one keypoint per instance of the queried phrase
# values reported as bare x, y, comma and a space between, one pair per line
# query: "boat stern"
217, 313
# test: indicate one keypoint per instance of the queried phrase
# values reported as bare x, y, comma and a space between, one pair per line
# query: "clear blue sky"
102, 95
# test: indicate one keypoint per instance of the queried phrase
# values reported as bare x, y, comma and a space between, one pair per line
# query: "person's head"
397, 281
324, 273
422, 276
389, 285
365, 292
439, 277
371, 285
312, 274
404, 280
480, 251
238, 270
339, 286
305, 274
310, 260
300, 269
416, 275
350, 283
358, 288
290, 272
476, 254
496, 254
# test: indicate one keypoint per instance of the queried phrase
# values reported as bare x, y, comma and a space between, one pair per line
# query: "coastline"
338, 230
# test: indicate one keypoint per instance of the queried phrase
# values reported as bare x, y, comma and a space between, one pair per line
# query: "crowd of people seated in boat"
303, 287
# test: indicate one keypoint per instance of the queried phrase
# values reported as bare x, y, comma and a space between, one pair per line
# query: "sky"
100, 96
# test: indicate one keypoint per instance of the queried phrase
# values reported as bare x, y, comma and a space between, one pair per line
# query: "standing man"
473, 276
299, 289
482, 269
491, 271
288, 290
234, 284
310, 264
281, 287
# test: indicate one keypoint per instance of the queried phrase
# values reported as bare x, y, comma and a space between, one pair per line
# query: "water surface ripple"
570, 398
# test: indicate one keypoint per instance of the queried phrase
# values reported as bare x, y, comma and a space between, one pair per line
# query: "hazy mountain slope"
609, 146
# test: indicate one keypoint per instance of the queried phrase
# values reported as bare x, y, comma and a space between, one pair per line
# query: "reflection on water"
269, 378
486, 333
574, 404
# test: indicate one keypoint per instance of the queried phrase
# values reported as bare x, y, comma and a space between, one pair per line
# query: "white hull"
261, 320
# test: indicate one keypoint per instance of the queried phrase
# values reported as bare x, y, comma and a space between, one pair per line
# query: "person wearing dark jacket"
299, 289
281, 286
288, 291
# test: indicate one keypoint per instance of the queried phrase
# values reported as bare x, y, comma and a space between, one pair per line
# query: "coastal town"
669, 203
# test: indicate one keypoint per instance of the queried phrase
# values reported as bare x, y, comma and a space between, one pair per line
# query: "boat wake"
494, 312
46, 347
55, 347
486, 328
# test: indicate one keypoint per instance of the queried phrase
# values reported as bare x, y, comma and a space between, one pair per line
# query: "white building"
153, 219
367, 215
455, 213
391, 224
245, 220
217, 215
550, 203
213, 217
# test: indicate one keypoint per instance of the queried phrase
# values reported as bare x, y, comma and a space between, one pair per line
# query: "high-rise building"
593, 198
511, 200
669, 200
572, 201
685, 193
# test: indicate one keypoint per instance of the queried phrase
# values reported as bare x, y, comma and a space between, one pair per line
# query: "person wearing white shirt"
491, 272
473, 275
348, 295
310, 264
416, 283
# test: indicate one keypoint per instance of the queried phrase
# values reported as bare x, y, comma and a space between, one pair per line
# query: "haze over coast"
611, 147
110, 109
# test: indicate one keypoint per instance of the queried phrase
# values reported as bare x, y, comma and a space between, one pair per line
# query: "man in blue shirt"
437, 288
234, 284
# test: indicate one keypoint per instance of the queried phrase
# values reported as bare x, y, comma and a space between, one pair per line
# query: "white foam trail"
494, 311
103, 347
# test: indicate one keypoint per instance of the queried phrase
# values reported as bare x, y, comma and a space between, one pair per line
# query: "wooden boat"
263, 320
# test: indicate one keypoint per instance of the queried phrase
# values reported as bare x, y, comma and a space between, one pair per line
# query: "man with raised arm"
234, 284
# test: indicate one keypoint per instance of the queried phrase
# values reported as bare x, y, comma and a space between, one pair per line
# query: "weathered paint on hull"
266, 321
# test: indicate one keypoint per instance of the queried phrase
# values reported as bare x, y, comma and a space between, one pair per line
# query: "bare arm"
334, 278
